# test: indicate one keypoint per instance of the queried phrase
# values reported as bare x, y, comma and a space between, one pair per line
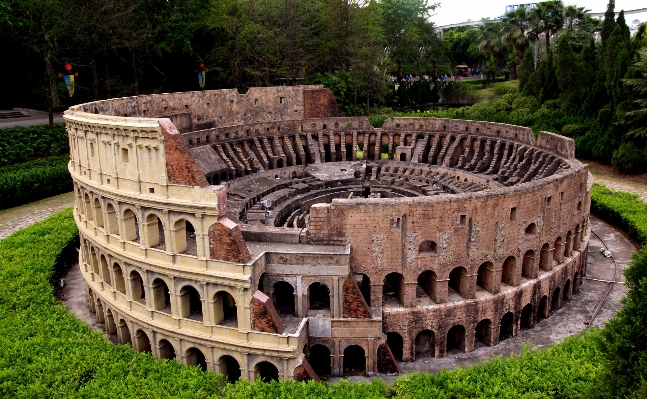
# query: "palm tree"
547, 18
517, 30
490, 41
573, 15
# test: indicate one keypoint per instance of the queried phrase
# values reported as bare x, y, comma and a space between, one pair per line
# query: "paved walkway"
13, 219
34, 118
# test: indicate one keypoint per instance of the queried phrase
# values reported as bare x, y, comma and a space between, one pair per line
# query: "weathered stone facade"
261, 236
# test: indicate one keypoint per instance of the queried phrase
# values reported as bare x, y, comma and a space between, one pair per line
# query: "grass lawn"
496, 89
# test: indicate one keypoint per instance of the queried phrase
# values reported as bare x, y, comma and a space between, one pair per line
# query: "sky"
454, 11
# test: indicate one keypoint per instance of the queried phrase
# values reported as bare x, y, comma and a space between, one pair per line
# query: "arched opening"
319, 296
155, 233
166, 350
224, 307
542, 309
94, 261
507, 327
191, 241
131, 226
567, 291
485, 277
185, 239
99, 316
266, 371
456, 339
88, 208
531, 229
569, 244
161, 296
279, 163
142, 341
576, 282
558, 250
190, 303
120, 283
458, 281
105, 271
577, 238
319, 359
395, 342
284, 298
98, 213
365, 288
509, 271
195, 357
427, 282
483, 333
526, 317
393, 289
111, 327
123, 332
528, 265
137, 287
354, 360
427, 247
556, 302
544, 258
229, 368
425, 344
113, 223
403, 157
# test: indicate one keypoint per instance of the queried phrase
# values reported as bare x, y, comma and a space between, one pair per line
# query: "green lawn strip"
46, 352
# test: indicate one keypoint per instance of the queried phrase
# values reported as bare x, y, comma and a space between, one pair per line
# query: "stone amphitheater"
260, 235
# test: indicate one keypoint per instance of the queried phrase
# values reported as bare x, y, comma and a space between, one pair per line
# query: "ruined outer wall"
220, 107
136, 193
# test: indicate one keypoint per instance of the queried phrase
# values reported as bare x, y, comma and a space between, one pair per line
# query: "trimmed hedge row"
46, 352
22, 144
625, 210
34, 180
623, 341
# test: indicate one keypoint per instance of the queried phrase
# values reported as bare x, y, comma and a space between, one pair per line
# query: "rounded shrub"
629, 158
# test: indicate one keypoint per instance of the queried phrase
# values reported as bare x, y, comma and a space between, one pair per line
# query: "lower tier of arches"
439, 330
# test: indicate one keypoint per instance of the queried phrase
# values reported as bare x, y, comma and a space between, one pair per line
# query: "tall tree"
547, 18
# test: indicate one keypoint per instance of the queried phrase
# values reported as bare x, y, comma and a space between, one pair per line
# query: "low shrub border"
21, 144
623, 341
34, 180
46, 352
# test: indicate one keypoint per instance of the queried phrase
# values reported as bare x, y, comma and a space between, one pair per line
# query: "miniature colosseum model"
260, 235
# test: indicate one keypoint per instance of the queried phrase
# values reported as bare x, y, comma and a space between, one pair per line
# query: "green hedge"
623, 341
625, 210
34, 180
22, 144
46, 352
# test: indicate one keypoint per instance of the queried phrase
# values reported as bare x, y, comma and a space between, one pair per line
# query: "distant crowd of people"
443, 78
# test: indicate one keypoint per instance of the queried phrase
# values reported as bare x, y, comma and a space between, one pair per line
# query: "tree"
573, 15
547, 18
517, 22
526, 70
570, 76
406, 29
636, 119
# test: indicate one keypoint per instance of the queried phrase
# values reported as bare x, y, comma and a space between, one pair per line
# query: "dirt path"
618, 181
13, 219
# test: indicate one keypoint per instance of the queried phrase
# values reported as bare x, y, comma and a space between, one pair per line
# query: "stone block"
226, 242
265, 318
